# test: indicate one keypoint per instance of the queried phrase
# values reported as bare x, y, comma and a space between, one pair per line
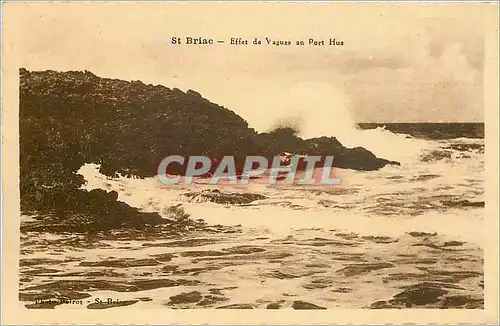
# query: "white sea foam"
361, 204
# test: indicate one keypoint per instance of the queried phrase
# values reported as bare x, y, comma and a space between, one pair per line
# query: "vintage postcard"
249, 163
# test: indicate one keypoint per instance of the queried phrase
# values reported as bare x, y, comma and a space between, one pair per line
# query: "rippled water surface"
399, 237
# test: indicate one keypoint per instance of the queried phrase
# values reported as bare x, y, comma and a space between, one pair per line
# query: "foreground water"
400, 237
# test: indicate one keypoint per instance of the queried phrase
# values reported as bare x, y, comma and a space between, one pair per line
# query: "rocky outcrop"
98, 210
70, 118
286, 140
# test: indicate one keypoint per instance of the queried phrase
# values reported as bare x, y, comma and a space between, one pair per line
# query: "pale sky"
406, 64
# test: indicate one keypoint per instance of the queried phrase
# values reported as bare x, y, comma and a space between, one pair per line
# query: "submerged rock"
138, 125
274, 305
188, 297
419, 294
463, 301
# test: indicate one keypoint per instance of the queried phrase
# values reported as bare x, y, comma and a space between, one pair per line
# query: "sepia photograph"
266, 156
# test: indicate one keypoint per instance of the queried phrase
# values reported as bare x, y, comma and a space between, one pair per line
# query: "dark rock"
302, 305
381, 305
39, 261
414, 261
453, 243
281, 275
90, 212
403, 277
188, 297
41, 271
436, 155
314, 286
463, 301
433, 131
421, 234
219, 290
463, 203
419, 294
429, 295
120, 286
425, 177
32, 296
164, 257
273, 305
359, 158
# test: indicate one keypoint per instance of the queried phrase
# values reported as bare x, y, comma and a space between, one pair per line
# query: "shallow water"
399, 237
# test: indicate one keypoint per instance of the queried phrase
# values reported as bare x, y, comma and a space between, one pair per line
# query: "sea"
407, 236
